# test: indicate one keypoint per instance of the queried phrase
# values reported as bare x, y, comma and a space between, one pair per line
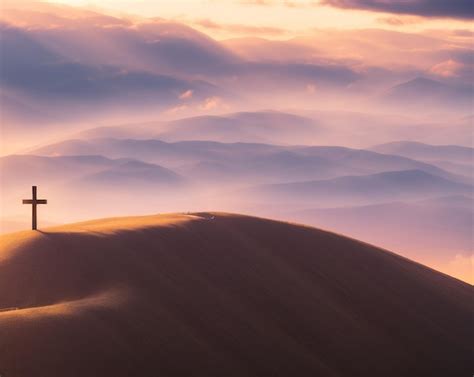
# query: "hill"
222, 295
263, 126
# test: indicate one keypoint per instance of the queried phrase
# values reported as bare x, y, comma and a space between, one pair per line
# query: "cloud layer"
462, 9
61, 62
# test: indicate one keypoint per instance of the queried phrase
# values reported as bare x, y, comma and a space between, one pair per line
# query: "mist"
117, 116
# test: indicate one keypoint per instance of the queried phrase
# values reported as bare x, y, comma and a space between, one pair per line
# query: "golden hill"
222, 295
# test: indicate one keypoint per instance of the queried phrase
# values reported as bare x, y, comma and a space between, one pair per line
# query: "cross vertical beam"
34, 218
34, 201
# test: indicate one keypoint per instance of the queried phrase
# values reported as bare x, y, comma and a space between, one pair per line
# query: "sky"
282, 19
220, 56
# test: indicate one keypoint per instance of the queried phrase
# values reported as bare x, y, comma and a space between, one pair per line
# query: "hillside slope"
222, 295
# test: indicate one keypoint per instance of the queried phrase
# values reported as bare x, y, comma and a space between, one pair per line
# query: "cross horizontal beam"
35, 201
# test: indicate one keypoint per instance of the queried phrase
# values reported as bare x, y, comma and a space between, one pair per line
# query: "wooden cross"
34, 202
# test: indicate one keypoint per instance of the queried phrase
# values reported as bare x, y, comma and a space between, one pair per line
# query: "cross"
34, 201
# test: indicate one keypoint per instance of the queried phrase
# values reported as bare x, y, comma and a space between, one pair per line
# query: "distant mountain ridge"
86, 168
271, 127
424, 151
395, 185
422, 91
208, 158
426, 227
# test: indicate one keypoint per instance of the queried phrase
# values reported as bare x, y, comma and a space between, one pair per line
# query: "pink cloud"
240, 28
311, 88
448, 69
213, 103
187, 94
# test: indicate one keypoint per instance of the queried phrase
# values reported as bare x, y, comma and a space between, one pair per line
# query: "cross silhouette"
34, 202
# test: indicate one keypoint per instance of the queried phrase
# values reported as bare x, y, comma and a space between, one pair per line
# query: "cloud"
462, 9
448, 68
457, 68
399, 21
311, 89
55, 84
212, 103
164, 56
50, 15
256, 2
143, 43
173, 64
338, 75
240, 28
465, 33
187, 94
207, 105
285, 3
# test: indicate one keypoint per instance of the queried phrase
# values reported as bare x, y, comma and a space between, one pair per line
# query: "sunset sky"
280, 19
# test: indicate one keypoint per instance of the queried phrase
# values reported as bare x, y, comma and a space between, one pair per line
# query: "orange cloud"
240, 28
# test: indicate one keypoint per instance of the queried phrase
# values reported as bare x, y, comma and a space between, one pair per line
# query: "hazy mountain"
432, 228
277, 166
421, 92
213, 160
20, 113
265, 126
372, 162
271, 127
427, 152
26, 170
349, 190
456, 168
210, 161
133, 174
157, 151
454, 201
364, 128
79, 186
